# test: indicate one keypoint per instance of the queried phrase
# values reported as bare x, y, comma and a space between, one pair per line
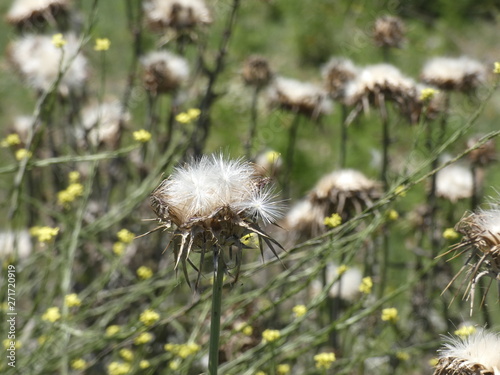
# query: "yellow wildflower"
245, 328
333, 221
52, 314
183, 118
22, 153
188, 349
149, 317
324, 360
102, 44
118, 248
433, 362
400, 191
392, 215
427, 94
451, 234
366, 285
390, 314
341, 270
72, 300
142, 136
283, 369
144, 364
125, 236
78, 364
299, 310
11, 140
143, 338
58, 40
174, 365
74, 177
118, 368
272, 156
6, 344
112, 330
270, 335
250, 240
126, 354
402, 356
496, 68
193, 113
465, 331
73, 191
44, 234
144, 272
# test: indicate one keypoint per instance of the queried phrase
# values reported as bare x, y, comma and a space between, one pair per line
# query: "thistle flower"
212, 203
164, 72
470, 355
299, 97
389, 31
336, 74
454, 182
256, 71
29, 13
461, 74
39, 62
176, 14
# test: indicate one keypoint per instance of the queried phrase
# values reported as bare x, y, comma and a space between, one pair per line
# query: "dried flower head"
475, 354
461, 74
29, 14
454, 182
164, 72
39, 62
176, 14
269, 163
299, 97
389, 31
483, 155
304, 220
212, 203
256, 71
336, 73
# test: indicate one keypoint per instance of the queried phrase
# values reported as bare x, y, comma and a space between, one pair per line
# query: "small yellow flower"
324, 360
112, 330
270, 335
245, 328
427, 94
390, 314
149, 317
402, 356
126, 354
22, 154
496, 68
366, 285
143, 338
272, 156
72, 300
58, 40
6, 344
78, 364
465, 331
451, 234
188, 349
174, 365
125, 236
333, 221
52, 314
144, 364
400, 191
74, 177
142, 136
299, 310
433, 362
144, 272
44, 234
102, 44
118, 248
11, 140
392, 215
193, 113
342, 269
183, 118
73, 191
251, 240
118, 368
283, 369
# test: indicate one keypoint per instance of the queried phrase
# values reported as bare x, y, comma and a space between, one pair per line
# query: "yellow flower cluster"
22, 154
52, 314
366, 285
144, 364
283, 369
11, 140
78, 364
392, 215
400, 191
102, 44
324, 360
186, 117
144, 273
299, 310
272, 156
112, 330
270, 335
58, 40
182, 350
342, 269
118, 368
124, 238
143, 338
250, 240
149, 317
333, 221
496, 67
427, 94
390, 314
402, 356
142, 136
451, 234
73, 191
72, 300
245, 328
465, 331
44, 234
126, 354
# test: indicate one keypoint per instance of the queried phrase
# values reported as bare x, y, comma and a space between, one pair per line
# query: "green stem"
213, 352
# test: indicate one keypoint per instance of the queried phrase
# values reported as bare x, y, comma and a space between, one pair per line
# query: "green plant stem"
213, 352
292, 139
253, 123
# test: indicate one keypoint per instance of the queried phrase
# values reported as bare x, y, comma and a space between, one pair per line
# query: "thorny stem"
213, 352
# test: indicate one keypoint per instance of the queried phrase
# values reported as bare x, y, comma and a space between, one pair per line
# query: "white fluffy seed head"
164, 71
39, 61
462, 73
481, 348
176, 14
22, 11
347, 286
345, 180
336, 73
454, 182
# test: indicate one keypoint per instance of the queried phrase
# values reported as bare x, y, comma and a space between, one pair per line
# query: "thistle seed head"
164, 72
389, 31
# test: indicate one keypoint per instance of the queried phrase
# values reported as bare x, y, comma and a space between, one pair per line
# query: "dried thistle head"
27, 14
176, 14
459, 74
476, 354
483, 155
256, 71
213, 202
418, 105
336, 73
303, 221
164, 72
389, 31
299, 97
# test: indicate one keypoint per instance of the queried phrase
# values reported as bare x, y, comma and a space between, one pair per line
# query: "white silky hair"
481, 347
453, 69
25, 8
454, 182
